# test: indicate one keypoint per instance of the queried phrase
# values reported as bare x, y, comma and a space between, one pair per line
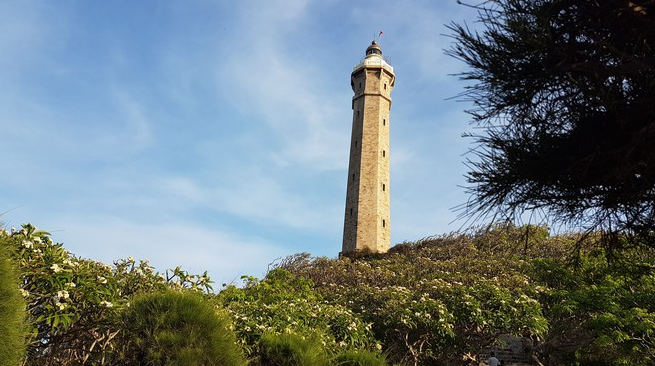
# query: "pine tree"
565, 94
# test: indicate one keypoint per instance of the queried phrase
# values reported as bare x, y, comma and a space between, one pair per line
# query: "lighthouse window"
384, 122
357, 113
385, 86
355, 143
351, 212
384, 223
383, 186
360, 86
353, 177
384, 153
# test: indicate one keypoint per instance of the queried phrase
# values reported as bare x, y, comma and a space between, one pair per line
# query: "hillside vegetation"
445, 300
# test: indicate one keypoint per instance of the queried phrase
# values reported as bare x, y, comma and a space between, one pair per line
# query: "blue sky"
214, 135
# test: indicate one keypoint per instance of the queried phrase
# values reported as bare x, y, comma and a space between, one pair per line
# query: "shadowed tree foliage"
564, 92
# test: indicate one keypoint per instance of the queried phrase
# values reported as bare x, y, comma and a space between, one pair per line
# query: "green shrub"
360, 358
175, 328
283, 303
290, 349
12, 311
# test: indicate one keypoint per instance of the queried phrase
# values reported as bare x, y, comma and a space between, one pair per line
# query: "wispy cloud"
251, 196
287, 92
225, 254
135, 127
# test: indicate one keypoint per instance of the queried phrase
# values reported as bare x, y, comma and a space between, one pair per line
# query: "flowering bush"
452, 297
282, 303
437, 299
73, 303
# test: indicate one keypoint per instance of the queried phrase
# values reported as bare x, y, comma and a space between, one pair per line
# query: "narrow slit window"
383, 187
351, 212
384, 223
384, 122
353, 177
385, 86
355, 143
384, 153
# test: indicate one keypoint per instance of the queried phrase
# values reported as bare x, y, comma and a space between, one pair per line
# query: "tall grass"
177, 329
360, 358
291, 350
12, 311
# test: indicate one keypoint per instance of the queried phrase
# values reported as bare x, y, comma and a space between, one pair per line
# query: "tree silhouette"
565, 94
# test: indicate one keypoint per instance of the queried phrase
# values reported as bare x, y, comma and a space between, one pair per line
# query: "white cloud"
134, 126
251, 196
225, 254
267, 81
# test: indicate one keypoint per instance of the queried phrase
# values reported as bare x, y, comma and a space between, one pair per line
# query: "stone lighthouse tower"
366, 225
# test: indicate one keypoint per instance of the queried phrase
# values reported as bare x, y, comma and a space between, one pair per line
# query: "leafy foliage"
564, 91
173, 328
600, 314
438, 298
283, 303
12, 317
444, 298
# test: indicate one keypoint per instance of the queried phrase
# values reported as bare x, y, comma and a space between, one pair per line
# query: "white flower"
106, 304
60, 305
70, 284
28, 244
102, 279
55, 267
63, 294
130, 259
24, 293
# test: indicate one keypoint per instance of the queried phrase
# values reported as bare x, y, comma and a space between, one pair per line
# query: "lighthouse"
366, 226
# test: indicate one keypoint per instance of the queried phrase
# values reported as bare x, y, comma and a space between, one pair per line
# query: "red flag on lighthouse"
380, 34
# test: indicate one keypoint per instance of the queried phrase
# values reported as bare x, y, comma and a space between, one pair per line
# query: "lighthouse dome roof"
374, 49
373, 58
